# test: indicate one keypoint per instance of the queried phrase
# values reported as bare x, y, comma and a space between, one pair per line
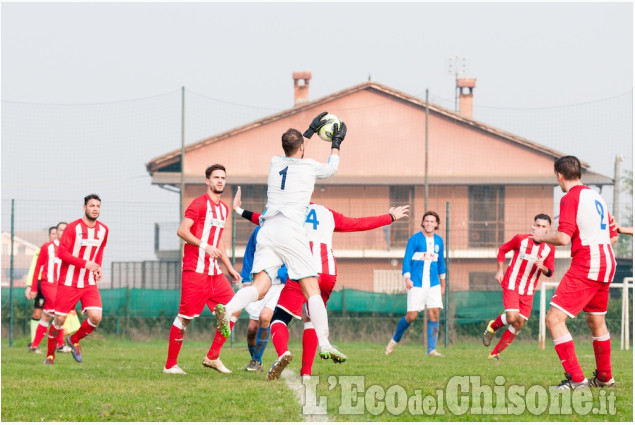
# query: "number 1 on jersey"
283, 173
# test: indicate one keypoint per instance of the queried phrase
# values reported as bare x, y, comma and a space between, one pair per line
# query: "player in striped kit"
81, 252
319, 225
585, 223
424, 271
519, 283
203, 282
282, 239
48, 265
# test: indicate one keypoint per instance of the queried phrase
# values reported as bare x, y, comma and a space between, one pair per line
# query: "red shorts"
292, 299
199, 289
576, 294
513, 301
48, 291
66, 298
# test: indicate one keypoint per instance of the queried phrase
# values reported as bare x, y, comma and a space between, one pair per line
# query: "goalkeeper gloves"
315, 125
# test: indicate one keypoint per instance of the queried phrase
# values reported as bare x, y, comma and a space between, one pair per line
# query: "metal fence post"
447, 272
11, 277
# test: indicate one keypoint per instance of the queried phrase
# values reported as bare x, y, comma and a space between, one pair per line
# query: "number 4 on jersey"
312, 218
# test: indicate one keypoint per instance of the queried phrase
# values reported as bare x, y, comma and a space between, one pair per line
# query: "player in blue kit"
424, 270
260, 312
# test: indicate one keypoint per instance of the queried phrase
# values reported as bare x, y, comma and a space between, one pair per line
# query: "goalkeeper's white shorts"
423, 298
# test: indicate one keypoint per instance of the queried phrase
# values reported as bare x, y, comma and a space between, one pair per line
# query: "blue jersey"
424, 262
248, 260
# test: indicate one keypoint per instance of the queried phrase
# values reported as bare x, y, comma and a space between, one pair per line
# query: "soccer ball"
326, 132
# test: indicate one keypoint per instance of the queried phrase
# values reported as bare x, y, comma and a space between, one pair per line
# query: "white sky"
527, 57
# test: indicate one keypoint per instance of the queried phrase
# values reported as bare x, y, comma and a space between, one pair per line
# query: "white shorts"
422, 298
270, 300
281, 241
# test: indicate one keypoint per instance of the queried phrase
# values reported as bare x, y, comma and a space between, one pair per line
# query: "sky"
112, 73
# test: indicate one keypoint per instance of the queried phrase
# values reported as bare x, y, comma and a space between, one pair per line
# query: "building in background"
489, 182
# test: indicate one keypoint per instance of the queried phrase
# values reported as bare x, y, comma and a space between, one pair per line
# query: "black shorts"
38, 301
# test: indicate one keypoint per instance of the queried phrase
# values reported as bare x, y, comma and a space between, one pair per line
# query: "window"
483, 281
486, 216
400, 230
254, 198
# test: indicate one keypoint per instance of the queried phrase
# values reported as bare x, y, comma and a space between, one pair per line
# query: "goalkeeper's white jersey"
290, 185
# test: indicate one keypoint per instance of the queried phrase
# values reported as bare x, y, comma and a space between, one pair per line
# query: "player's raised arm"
358, 224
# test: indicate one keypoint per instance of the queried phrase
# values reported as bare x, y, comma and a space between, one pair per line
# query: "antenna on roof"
369, 76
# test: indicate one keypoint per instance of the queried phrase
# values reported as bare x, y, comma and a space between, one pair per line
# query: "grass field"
121, 380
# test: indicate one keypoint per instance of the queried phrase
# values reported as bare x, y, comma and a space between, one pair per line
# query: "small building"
486, 184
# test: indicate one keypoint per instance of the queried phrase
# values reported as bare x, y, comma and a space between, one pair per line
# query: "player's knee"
281, 316
512, 317
553, 320
37, 314
265, 317
411, 316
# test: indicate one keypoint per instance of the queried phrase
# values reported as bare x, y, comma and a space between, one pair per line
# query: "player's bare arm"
237, 203
399, 212
500, 273
557, 239
228, 265
184, 232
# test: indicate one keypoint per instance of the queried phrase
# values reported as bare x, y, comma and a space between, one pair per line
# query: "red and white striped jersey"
209, 222
522, 273
585, 217
47, 266
79, 244
321, 222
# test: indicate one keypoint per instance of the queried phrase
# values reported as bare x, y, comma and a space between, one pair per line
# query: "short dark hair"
91, 196
212, 168
569, 167
291, 141
60, 223
543, 217
52, 228
434, 214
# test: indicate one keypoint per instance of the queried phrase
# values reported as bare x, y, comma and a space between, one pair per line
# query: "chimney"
301, 91
465, 86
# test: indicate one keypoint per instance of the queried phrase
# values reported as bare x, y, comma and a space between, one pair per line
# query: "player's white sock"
319, 319
241, 299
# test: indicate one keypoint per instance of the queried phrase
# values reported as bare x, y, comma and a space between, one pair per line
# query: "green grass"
121, 380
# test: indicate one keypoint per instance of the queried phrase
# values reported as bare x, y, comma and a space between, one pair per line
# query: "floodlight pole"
182, 185
425, 192
617, 187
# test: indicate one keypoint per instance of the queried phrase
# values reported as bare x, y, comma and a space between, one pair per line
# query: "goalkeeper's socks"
433, 335
401, 328
262, 339
499, 322
280, 337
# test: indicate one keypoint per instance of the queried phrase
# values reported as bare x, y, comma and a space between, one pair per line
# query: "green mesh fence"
465, 306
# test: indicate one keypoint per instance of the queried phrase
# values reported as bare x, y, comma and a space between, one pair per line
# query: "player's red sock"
506, 339
219, 340
566, 351
499, 322
280, 337
60, 338
52, 339
40, 331
84, 330
177, 332
309, 348
602, 349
